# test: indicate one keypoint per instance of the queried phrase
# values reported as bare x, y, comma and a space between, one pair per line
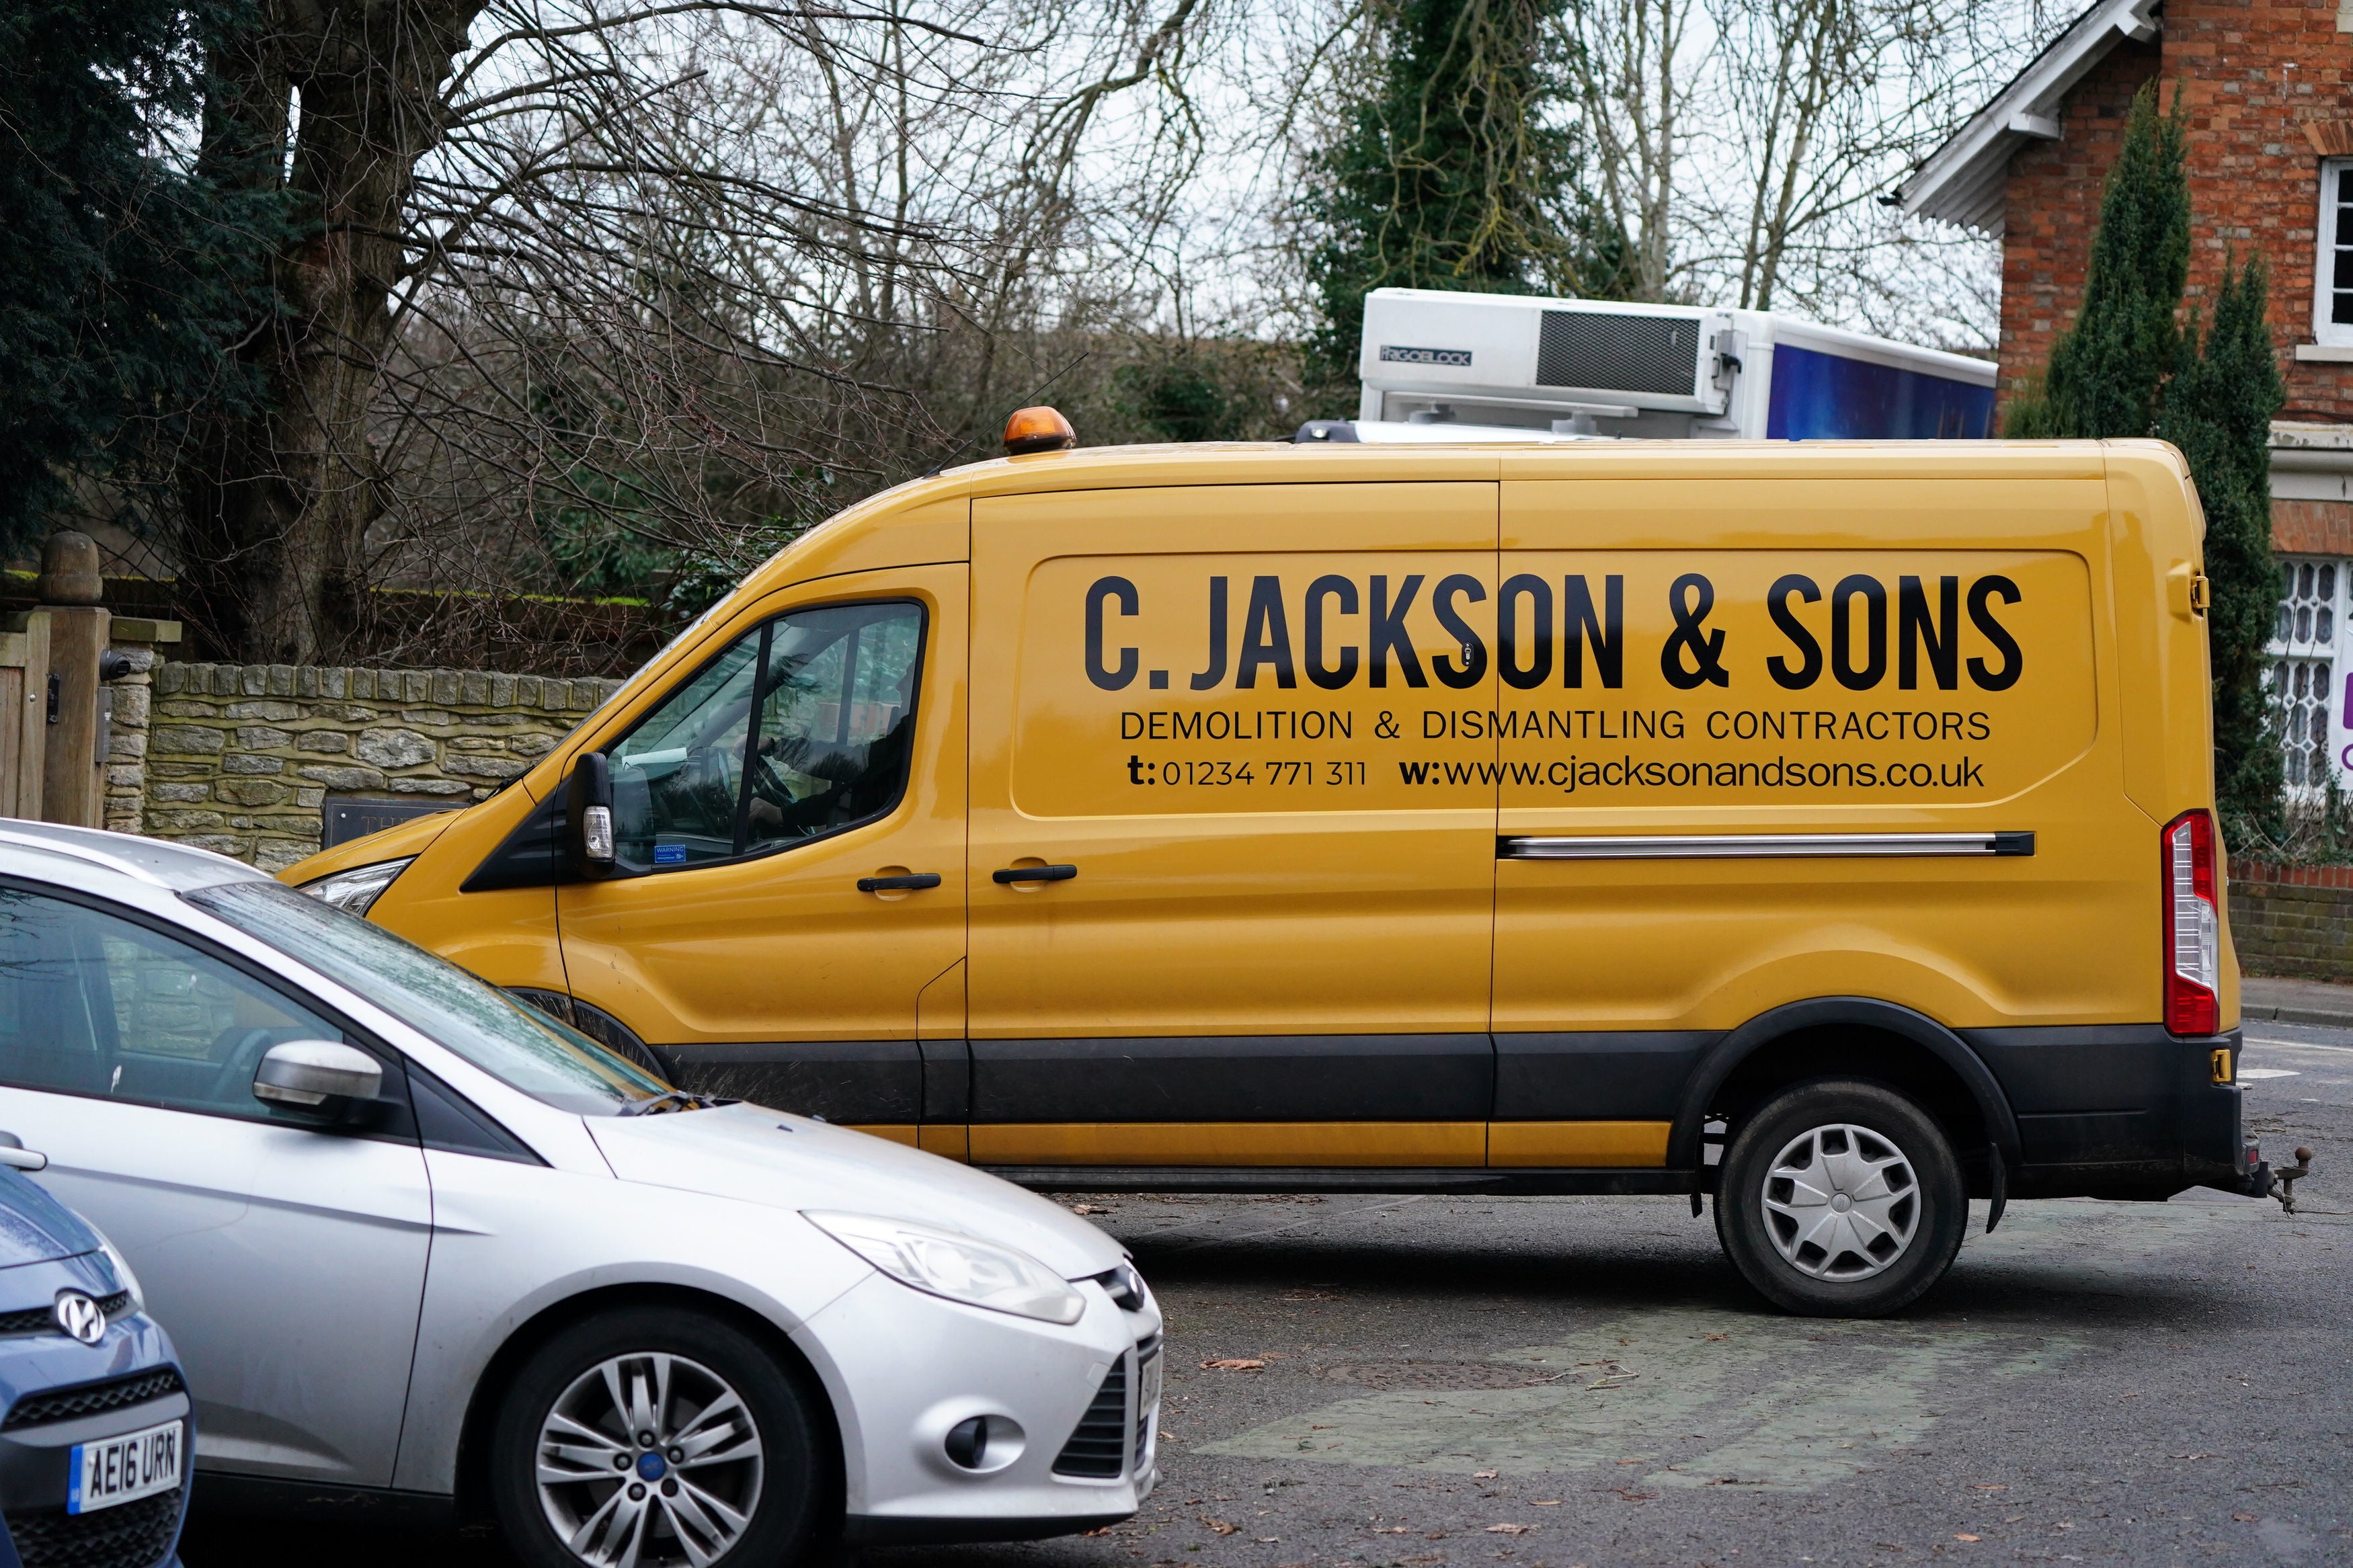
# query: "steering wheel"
767, 783
233, 1084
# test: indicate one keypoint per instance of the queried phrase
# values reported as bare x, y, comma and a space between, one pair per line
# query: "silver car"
415, 1239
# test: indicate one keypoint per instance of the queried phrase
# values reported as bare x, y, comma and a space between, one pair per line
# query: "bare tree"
1635, 64
663, 276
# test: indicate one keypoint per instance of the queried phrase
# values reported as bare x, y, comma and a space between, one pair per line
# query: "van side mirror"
317, 1075
588, 840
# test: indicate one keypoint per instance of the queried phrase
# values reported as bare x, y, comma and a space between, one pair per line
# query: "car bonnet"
35, 1227
744, 1152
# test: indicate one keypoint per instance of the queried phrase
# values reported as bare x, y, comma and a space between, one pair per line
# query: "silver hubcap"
650, 1461
1841, 1203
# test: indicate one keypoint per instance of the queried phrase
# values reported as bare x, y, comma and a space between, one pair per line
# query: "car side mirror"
588, 840
313, 1075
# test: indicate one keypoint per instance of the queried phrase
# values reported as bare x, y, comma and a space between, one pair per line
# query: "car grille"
1099, 1447
91, 1398
129, 1535
44, 1319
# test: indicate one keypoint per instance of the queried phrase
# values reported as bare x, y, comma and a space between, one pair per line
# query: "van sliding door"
1779, 739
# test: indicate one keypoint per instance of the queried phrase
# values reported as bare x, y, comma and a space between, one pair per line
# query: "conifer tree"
2108, 369
2126, 367
1449, 175
121, 274
2219, 411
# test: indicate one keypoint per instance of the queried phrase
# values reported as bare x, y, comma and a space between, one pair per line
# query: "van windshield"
519, 1046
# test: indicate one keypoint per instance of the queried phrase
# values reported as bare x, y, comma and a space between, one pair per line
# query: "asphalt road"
1544, 1383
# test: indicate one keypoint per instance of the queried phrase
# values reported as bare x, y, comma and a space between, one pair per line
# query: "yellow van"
1827, 828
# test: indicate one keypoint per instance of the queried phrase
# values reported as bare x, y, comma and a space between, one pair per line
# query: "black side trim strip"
1597, 1074
840, 1080
1524, 1183
2013, 842
1236, 1078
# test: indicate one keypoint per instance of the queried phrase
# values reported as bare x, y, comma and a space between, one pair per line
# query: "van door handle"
1035, 874
911, 884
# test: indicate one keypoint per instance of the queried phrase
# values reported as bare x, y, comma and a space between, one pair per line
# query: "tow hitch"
2283, 1180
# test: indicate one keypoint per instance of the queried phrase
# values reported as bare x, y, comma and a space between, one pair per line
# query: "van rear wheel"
1840, 1199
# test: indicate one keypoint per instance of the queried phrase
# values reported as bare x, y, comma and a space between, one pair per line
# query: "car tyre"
635, 1428
1840, 1199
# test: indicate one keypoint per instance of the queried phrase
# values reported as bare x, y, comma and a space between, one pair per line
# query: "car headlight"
356, 889
942, 1263
123, 1278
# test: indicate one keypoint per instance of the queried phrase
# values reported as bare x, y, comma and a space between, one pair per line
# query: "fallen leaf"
1509, 1529
1221, 1526
1093, 1208
1719, 1336
1267, 1539
1234, 1363
1548, 1502
1485, 1475
1391, 1530
2245, 1517
1965, 1538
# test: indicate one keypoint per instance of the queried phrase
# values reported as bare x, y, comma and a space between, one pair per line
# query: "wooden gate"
23, 716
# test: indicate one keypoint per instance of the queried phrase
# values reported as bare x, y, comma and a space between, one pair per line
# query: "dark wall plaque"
348, 816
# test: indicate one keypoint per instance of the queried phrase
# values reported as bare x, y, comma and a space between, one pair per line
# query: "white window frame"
2326, 243
2333, 655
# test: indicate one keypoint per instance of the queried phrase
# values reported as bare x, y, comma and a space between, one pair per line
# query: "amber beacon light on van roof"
1038, 430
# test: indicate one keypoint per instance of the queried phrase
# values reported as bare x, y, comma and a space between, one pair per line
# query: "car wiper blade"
669, 1100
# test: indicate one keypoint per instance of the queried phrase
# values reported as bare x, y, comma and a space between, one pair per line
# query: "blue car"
95, 1423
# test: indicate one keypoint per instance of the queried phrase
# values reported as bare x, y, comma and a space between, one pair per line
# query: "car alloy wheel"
1841, 1203
653, 1436
648, 1461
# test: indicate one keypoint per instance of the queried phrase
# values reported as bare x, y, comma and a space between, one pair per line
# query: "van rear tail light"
2194, 927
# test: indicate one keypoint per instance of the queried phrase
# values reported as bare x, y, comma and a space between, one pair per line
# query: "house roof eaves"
1962, 181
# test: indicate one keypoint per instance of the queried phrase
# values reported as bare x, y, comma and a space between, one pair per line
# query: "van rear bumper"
2119, 1111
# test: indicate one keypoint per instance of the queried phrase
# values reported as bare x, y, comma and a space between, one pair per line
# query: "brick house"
2270, 88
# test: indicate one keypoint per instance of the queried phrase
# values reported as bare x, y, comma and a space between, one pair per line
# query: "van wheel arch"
473, 1497
1847, 1035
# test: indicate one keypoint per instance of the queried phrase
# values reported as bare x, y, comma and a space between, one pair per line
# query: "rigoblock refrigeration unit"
1440, 366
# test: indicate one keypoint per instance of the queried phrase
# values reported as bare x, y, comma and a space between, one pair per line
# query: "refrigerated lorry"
1439, 366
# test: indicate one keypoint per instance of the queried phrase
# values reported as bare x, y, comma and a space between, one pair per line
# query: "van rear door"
1232, 834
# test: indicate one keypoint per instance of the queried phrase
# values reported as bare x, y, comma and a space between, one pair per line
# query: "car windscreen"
517, 1045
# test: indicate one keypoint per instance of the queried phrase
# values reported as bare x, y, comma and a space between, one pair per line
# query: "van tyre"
646, 1438
1840, 1199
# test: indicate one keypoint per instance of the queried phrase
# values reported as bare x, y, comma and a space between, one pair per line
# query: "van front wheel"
1840, 1199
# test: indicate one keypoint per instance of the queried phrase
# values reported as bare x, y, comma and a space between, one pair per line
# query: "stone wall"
242, 758
2293, 921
